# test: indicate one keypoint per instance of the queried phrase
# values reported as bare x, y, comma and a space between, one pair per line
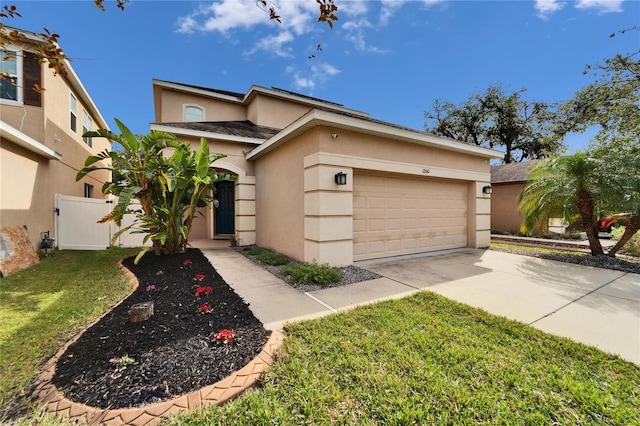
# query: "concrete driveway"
595, 306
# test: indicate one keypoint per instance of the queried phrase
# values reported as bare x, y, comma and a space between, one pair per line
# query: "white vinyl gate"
77, 227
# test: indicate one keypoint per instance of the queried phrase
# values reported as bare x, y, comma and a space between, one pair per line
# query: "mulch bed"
172, 352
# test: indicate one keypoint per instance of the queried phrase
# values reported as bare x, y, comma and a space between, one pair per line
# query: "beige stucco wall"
170, 106
29, 181
319, 225
505, 215
272, 112
280, 196
374, 147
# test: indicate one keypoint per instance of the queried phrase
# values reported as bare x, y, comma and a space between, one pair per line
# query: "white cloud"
547, 7
223, 16
388, 8
226, 15
275, 45
602, 6
355, 33
317, 74
353, 7
298, 17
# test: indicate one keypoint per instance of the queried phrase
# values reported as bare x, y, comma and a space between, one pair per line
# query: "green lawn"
425, 359
44, 306
419, 360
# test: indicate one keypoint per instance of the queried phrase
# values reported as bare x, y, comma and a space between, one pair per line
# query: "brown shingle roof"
245, 128
511, 172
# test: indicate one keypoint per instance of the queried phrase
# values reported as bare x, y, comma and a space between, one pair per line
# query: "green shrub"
571, 236
268, 257
632, 248
312, 273
271, 258
255, 251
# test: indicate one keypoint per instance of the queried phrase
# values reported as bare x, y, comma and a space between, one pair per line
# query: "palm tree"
561, 186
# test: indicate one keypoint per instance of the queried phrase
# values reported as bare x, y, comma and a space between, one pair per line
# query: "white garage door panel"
394, 216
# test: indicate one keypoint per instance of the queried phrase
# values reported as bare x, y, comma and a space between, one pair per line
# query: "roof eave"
77, 85
206, 135
16, 136
318, 117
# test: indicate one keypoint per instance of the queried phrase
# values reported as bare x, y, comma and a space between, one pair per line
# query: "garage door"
394, 215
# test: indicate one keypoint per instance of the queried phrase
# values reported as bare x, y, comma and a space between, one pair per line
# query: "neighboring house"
508, 180
321, 182
41, 143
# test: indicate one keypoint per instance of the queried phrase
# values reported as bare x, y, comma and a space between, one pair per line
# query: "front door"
225, 213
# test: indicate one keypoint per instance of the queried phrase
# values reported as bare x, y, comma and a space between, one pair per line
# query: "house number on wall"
425, 171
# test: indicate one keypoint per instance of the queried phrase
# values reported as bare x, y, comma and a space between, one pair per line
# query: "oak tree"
497, 119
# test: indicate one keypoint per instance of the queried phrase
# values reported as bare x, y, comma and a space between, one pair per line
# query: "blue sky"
388, 58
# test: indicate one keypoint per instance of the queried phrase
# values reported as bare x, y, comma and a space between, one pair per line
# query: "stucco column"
480, 228
328, 214
245, 210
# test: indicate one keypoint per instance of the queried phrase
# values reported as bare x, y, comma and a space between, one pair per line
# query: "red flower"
186, 262
203, 291
199, 277
205, 308
225, 336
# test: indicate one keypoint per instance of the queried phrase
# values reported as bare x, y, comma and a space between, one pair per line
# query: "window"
88, 191
192, 113
20, 77
9, 80
86, 127
72, 112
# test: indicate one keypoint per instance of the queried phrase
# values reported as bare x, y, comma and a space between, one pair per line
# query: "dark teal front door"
225, 214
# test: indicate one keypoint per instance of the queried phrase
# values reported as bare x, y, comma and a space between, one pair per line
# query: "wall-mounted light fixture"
341, 178
487, 189
334, 135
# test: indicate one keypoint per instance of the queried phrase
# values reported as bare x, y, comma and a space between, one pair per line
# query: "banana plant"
166, 177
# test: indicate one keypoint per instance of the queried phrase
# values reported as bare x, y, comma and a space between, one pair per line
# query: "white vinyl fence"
77, 227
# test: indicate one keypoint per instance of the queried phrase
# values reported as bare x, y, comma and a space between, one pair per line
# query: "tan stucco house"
321, 182
41, 143
508, 180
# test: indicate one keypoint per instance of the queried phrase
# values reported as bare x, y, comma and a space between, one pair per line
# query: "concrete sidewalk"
595, 306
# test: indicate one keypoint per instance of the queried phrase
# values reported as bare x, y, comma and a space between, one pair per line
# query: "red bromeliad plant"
225, 336
186, 262
205, 308
203, 291
199, 277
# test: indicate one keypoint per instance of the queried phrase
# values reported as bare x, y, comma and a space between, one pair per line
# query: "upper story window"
72, 112
86, 127
20, 77
193, 113
9, 79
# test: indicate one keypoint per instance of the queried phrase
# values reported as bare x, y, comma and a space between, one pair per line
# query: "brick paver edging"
56, 404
